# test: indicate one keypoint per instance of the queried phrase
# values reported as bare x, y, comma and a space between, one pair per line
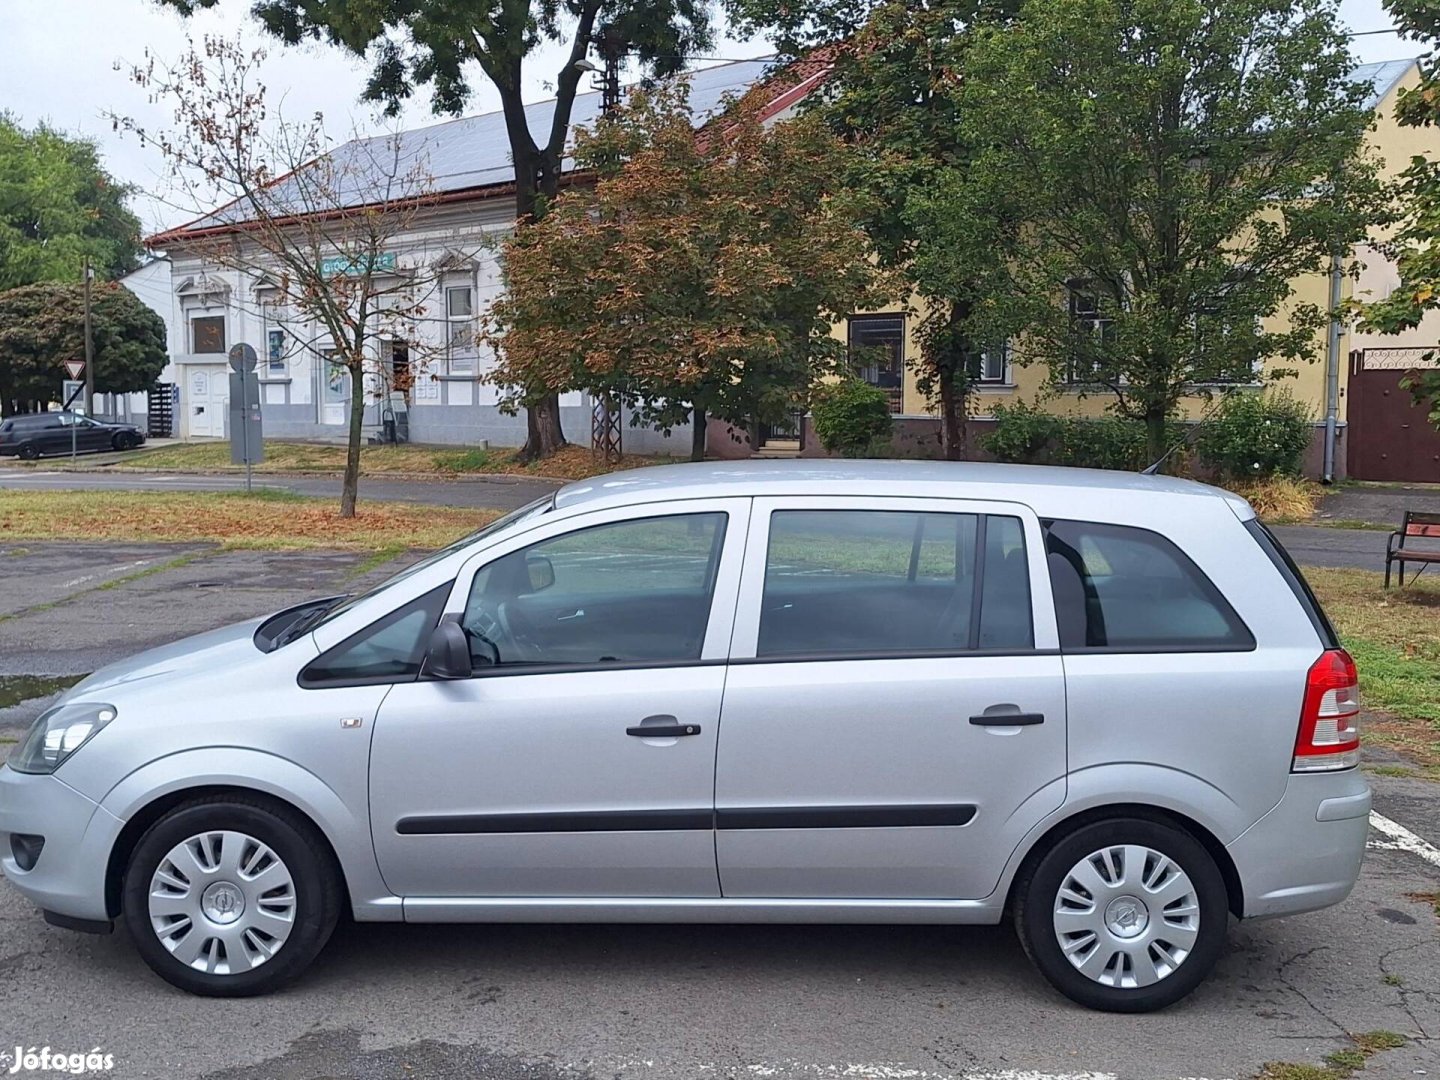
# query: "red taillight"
1329, 735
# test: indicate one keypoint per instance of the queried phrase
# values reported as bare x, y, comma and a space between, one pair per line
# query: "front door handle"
662, 727
1013, 719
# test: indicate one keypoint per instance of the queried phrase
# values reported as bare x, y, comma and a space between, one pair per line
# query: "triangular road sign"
75, 368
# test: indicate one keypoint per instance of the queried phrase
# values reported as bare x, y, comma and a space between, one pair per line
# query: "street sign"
243, 358
75, 368
72, 395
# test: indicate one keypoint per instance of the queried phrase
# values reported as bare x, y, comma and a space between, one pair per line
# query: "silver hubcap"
1127, 916
222, 902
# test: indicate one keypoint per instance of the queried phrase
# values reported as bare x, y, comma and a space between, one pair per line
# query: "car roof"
1049, 489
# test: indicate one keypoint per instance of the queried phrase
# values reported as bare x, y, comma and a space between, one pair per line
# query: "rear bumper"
68, 879
1305, 853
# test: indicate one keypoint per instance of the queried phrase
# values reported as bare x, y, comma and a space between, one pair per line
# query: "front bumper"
68, 879
1305, 853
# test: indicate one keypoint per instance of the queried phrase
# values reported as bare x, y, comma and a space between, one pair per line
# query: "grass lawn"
1395, 639
572, 463
268, 519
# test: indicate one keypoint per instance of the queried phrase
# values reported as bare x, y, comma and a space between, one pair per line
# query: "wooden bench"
1399, 550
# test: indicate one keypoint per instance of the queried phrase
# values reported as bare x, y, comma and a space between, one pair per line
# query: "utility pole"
89, 346
605, 415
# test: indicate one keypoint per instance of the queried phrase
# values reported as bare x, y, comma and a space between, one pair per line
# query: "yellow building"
1355, 373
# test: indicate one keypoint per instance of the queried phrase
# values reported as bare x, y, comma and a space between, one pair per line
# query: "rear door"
894, 716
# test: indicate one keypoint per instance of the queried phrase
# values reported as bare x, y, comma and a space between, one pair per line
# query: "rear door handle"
662, 727
1014, 719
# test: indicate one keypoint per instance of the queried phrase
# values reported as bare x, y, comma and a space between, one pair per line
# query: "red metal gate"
1390, 438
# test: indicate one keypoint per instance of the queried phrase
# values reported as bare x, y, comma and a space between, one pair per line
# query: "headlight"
57, 734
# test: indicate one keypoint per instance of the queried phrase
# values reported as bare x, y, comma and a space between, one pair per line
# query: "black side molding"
1014, 719
85, 926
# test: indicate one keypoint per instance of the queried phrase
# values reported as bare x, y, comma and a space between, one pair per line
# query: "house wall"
442, 408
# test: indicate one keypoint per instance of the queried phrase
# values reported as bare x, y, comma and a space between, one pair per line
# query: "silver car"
1103, 705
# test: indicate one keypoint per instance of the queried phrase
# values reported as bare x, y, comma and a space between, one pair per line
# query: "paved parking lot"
662, 1002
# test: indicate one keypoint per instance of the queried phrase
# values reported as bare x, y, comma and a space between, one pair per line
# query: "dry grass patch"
1281, 500
572, 463
264, 519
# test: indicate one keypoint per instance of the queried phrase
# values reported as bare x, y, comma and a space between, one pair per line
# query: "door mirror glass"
541, 571
449, 654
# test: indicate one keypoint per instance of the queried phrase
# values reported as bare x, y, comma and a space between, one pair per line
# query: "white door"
334, 392
207, 392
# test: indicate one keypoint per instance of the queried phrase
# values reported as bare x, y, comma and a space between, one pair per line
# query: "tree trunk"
698, 424
952, 420
543, 433
1155, 441
350, 486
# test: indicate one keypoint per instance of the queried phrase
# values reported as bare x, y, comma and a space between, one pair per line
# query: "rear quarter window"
1124, 589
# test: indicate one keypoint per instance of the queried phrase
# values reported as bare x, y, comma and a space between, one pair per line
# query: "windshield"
534, 509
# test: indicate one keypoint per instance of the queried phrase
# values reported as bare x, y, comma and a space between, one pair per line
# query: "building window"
990, 365
1092, 329
877, 354
274, 337
207, 334
460, 330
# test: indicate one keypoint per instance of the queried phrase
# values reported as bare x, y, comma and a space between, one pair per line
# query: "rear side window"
1123, 589
893, 583
1277, 554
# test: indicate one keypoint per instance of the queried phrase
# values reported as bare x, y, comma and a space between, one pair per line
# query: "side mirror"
541, 571
449, 654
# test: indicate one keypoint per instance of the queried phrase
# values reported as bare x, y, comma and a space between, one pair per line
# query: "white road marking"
113, 570
1402, 839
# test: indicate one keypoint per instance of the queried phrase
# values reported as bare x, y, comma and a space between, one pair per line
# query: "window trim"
470, 355
1045, 640
1226, 609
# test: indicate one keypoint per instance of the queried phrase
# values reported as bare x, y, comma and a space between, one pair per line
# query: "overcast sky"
61, 58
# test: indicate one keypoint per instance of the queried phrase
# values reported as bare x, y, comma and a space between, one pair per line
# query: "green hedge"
1255, 435
1030, 435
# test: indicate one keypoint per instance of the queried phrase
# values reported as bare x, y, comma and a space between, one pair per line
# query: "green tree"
58, 205
1182, 163
43, 325
698, 277
415, 43
944, 227
1415, 247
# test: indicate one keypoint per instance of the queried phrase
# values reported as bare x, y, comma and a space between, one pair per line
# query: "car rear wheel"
229, 898
28, 451
1125, 915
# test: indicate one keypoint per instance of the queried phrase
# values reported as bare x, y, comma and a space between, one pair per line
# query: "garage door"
1390, 437
207, 391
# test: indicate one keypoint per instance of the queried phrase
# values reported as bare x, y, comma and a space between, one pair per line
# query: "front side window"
627, 592
1119, 588
207, 334
460, 329
877, 354
391, 649
883, 582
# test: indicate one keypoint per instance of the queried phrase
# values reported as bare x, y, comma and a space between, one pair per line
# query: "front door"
894, 717
208, 398
334, 391
579, 760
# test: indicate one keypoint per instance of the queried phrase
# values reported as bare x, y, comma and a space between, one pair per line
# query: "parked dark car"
33, 434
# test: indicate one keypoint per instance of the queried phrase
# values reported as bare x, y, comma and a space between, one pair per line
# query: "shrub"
1253, 436
1027, 434
852, 418
1280, 499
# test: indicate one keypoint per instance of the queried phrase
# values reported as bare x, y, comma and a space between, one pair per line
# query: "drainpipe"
1332, 368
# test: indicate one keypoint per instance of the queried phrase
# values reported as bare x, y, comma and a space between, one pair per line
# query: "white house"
454, 241
150, 282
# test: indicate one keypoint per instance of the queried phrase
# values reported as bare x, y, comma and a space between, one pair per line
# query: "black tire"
1037, 891
124, 441
317, 887
28, 452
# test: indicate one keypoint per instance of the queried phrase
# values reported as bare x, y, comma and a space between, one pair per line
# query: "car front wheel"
228, 898
1125, 915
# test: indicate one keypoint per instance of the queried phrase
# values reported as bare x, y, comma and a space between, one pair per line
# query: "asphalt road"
664, 1002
